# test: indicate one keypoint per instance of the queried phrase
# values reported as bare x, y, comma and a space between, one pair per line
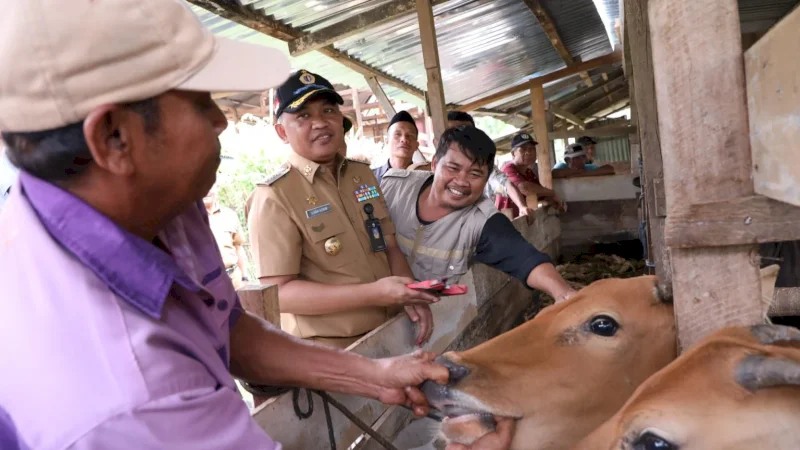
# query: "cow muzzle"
453, 403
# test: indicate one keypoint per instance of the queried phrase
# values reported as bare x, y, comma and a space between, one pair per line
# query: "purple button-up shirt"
107, 341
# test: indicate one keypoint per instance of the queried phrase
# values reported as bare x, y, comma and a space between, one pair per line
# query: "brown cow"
737, 389
563, 373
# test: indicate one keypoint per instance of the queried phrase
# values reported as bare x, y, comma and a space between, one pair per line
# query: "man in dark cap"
444, 223
403, 143
321, 232
520, 173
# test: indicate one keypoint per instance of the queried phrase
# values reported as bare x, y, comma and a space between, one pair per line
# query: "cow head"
737, 389
563, 373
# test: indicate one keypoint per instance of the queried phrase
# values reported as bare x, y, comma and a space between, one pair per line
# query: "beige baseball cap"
60, 59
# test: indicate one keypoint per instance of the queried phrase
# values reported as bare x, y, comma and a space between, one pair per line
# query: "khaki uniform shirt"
303, 222
227, 231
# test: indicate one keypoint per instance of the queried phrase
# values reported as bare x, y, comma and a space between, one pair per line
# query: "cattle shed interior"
704, 155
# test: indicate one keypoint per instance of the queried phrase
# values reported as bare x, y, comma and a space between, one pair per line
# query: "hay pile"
586, 269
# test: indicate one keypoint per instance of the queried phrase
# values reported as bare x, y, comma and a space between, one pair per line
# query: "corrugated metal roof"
315, 62
484, 45
760, 15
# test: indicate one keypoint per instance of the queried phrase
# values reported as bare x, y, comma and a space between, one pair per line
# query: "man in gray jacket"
444, 223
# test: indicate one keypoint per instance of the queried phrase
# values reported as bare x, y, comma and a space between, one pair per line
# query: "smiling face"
458, 182
314, 131
564, 372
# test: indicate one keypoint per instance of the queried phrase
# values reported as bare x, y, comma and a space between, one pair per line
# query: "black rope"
328, 419
296, 403
272, 391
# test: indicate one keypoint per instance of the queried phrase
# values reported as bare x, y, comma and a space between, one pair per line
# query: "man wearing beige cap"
120, 328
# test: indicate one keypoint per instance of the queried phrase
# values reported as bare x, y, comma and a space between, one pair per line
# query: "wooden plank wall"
494, 297
637, 30
773, 104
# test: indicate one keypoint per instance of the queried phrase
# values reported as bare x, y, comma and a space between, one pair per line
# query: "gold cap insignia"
333, 246
307, 78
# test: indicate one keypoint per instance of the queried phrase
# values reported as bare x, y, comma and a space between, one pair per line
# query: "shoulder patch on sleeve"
277, 174
358, 160
397, 173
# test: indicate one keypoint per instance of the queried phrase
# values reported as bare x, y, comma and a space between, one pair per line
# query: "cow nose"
455, 371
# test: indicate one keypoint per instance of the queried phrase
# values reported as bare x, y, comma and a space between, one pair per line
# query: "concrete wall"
605, 187
600, 209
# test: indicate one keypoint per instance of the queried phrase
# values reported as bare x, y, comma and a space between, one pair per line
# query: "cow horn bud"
771, 334
664, 293
760, 372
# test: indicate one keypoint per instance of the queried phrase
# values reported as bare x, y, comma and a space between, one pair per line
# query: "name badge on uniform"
319, 210
374, 231
366, 192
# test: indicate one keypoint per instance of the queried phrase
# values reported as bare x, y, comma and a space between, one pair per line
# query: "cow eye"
604, 326
650, 441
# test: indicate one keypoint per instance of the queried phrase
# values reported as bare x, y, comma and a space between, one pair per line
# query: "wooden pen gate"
718, 130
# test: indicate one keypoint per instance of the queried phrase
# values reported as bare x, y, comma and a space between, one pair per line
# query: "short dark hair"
472, 142
460, 116
59, 154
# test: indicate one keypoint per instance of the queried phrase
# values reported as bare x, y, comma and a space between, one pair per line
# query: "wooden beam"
377, 90
553, 76
786, 302
566, 115
549, 27
617, 94
430, 56
262, 302
641, 79
773, 99
581, 95
274, 28
615, 130
745, 220
353, 25
702, 115
539, 121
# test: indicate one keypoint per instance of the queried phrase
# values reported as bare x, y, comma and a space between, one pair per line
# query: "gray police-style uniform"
443, 248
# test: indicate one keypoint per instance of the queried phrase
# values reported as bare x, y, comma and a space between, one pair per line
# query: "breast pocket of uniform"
328, 237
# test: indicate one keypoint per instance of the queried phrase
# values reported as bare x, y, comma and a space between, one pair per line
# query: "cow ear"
760, 372
664, 293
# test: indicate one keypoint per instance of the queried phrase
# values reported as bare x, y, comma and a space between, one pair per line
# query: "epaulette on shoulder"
276, 175
360, 161
397, 173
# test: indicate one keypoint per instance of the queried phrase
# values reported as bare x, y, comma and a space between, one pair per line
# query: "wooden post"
357, 109
539, 121
430, 55
272, 106
702, 116
641, 74
262, 302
